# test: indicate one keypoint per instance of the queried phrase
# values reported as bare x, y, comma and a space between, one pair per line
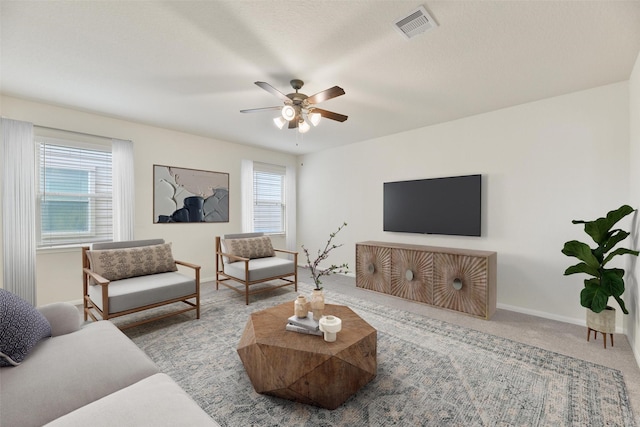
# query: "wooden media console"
455, 279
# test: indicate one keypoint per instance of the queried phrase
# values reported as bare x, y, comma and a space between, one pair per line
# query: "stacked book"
304, 325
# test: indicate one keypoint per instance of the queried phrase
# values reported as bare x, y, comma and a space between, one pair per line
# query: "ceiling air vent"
417, 22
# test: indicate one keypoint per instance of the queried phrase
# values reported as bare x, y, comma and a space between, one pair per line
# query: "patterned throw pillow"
250, 247
116, 264
21, 327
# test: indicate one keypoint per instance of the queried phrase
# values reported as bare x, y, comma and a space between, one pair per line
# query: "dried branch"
316, 271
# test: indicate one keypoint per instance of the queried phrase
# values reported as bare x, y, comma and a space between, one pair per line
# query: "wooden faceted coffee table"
305, 368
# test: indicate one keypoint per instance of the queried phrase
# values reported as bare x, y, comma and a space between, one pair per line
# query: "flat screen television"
450, 206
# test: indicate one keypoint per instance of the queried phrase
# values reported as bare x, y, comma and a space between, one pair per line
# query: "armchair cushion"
262, 269
131, 293
250, 247
117, 264
21, 327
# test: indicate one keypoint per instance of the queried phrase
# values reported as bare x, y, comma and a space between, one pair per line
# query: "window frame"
280, 172
94, 232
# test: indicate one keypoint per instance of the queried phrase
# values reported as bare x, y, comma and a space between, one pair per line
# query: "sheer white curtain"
18, 209
246, 182
290, 197
123, 190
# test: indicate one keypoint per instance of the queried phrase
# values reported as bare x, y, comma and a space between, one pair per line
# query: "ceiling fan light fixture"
314, 118
288, 112
280, 122
303, 127
300, 110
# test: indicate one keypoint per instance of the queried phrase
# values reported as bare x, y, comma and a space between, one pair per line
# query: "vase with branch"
317, 272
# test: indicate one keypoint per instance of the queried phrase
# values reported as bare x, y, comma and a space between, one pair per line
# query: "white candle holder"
330, 325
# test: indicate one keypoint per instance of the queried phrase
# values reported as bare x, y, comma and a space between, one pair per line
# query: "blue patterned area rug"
430, 373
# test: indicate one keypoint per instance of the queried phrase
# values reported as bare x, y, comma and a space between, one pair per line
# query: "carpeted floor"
430, 372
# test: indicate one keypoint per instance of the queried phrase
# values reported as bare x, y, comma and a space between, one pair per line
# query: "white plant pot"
604, 322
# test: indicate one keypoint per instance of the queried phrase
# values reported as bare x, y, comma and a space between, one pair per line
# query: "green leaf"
581, 251
582, 268
612, 281
619, 251
599, 228
593, 297
614, 237
621, 304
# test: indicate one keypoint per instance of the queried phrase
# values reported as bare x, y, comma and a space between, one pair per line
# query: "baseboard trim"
75, 302
545, 315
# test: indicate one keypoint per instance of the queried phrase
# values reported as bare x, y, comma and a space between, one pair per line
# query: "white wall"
633, 289
543, 164
59, 272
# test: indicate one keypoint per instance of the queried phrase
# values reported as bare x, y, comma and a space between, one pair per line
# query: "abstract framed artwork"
189, 195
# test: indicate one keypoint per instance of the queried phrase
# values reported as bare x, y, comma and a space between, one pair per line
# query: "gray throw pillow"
21, 327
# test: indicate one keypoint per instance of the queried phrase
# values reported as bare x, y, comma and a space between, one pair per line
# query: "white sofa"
91, 375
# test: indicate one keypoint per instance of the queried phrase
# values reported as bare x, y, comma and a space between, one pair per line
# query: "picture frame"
182, 195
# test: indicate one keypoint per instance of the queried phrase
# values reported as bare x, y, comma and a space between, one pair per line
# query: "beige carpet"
560, 337
214, 385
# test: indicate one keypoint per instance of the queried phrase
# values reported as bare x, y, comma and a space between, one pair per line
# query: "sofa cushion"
21, 327
117, 264
63, 317
67, 372
262, 268
250, 247
154, 401
136, 292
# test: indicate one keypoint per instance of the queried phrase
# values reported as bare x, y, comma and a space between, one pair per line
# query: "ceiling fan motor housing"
296, 84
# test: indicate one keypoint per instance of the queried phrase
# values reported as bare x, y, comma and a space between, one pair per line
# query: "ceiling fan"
299, 108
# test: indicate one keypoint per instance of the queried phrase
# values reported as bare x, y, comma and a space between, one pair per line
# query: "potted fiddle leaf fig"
603, 282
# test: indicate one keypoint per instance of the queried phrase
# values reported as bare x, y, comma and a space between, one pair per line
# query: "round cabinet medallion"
408, 275
371, 268
457, 284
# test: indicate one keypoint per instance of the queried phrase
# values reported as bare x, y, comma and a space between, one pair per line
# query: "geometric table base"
305, 368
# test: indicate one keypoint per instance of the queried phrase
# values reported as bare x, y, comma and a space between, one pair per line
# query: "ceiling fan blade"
325, 95
272, 90
331, 115
259, 110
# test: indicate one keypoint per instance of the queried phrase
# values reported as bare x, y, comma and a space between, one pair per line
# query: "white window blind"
269, 198
74, 193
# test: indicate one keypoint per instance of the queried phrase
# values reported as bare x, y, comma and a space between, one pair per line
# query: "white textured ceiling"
190, 65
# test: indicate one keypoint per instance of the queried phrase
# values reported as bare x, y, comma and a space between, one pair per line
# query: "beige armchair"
249, 259
120, 278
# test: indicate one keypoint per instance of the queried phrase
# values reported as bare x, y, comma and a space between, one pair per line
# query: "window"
268, 198
74, 192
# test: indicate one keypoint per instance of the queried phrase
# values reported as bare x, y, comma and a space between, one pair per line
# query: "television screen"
450, 206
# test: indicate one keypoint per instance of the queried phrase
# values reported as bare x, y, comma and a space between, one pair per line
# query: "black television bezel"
477, 217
